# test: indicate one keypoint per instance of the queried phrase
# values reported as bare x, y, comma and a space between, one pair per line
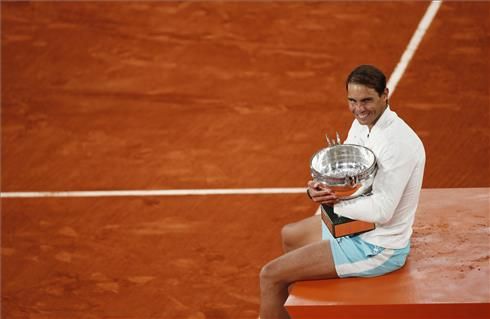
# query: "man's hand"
321, 194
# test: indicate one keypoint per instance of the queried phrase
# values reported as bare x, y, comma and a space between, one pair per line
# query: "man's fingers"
325, 192
319, 199
315, 185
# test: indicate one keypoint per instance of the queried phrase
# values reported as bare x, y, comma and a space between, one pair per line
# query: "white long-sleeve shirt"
396, 187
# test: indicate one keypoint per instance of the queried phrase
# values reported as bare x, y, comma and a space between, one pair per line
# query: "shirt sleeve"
395, 166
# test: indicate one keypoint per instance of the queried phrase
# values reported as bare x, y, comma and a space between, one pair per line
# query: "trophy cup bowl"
347, 169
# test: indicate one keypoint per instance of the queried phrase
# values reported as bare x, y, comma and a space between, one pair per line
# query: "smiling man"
310, 251
367, 94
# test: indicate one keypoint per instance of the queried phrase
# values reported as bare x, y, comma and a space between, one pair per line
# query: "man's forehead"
354, 89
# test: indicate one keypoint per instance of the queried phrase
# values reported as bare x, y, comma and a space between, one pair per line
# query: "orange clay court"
111, 96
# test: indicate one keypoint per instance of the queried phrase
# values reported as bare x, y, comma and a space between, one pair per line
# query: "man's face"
365, 103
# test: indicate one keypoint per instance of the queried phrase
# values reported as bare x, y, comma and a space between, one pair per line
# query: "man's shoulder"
397, 128
401, 140
398, 137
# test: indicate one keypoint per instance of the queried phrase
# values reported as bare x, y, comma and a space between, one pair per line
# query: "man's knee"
290, 235
270, 274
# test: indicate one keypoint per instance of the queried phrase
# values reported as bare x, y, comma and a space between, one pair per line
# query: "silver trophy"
349, 171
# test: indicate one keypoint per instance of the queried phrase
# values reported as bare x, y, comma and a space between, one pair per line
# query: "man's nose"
359, 107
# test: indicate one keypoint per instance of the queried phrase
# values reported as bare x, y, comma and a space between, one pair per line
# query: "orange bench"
447, 274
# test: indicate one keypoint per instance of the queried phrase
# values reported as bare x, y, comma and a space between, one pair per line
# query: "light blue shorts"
354, 257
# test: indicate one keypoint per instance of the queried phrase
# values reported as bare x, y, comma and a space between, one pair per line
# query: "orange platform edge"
447, 274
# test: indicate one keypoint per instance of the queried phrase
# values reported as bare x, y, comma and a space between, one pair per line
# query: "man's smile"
362, 115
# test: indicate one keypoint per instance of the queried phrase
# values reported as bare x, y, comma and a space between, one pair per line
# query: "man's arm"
396, 165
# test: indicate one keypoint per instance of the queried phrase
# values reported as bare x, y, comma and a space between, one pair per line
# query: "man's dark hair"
367, 75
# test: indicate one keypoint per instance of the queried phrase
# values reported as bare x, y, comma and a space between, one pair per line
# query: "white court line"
163, 192
392, 83
412, 46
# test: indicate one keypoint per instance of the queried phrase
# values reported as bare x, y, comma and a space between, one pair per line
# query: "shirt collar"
385, 119
383, 122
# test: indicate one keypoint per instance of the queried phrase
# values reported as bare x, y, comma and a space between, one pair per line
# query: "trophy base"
342, 226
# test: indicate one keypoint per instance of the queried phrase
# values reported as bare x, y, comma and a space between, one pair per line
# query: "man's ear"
386, 92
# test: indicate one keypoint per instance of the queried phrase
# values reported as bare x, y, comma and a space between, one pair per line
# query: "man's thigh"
302, 233
312, 261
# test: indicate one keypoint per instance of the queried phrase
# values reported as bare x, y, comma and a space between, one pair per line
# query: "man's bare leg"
302, 233
313, 261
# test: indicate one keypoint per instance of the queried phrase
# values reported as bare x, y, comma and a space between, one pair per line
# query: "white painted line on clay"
161, 192
412, 46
